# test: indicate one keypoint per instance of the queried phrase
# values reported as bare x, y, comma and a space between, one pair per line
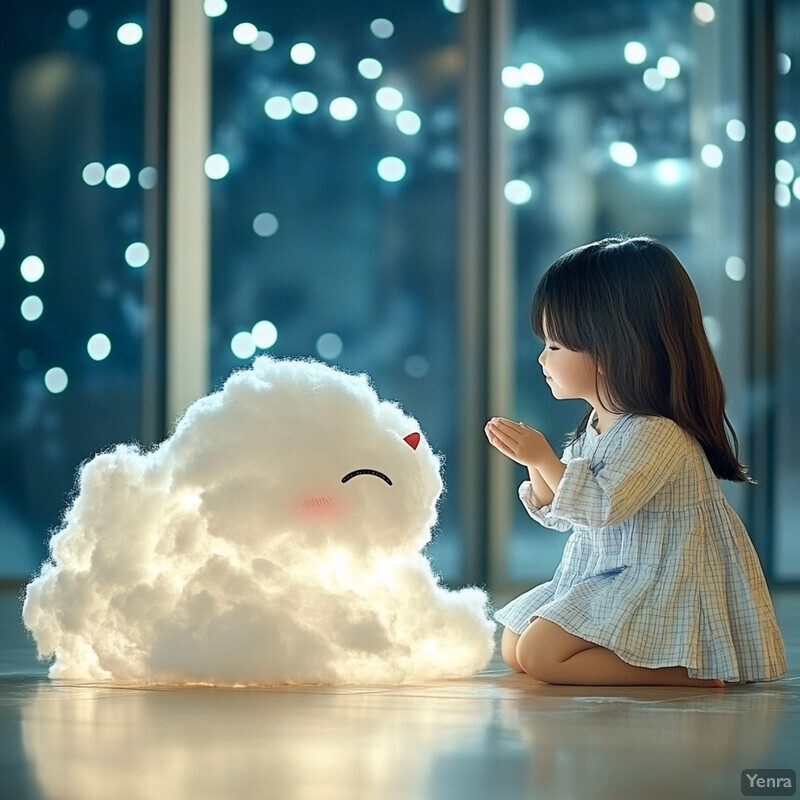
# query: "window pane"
787, 197
335, 205
622, 118
72, 255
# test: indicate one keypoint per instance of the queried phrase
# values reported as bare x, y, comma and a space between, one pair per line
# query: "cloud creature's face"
310, 453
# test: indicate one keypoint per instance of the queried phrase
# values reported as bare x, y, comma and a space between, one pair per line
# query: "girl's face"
569, 374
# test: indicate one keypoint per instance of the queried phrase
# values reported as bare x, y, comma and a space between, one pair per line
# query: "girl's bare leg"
550, 654
508, 649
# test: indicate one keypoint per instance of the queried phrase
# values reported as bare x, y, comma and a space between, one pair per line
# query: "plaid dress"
659, 568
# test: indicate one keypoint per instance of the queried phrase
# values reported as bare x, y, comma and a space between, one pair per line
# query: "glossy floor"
493, 737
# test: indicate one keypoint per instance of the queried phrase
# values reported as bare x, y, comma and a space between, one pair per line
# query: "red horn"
412, 440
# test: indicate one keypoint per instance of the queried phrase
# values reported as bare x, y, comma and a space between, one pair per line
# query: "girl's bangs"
554, 313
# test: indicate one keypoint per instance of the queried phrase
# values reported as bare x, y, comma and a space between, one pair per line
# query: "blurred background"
379, 184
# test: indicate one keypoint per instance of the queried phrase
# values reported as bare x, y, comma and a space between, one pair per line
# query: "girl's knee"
508, 649
529, 658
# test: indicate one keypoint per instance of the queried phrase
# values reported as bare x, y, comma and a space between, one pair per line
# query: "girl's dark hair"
630, 305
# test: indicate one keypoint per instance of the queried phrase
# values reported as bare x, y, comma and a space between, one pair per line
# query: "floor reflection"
86, 743
646, 747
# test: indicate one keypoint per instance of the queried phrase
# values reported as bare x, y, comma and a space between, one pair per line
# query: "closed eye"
356, 472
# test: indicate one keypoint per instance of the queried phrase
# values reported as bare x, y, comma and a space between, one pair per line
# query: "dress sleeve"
613, 486
542, 513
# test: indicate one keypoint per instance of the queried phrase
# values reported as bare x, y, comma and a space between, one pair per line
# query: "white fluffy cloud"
274, 537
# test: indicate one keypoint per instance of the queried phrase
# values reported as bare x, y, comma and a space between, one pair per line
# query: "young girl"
659, 583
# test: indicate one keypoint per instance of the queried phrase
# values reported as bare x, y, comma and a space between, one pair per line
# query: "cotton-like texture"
658, 568
274, 537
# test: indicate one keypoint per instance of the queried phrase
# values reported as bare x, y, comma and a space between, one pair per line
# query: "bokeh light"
735, 268
669, 67
391, 169
653, 79
278, 107
32, 268
785, 132
518, 192
78, 18
265, 224
98, 347
215, 8
56, 380
329, 346
242, 345
635, 53
417, 366
148, 177
408, 122
381, 28
264, 334
703, 13
455, 6
783, 195
245, 33
784, 171
217, 166
713, 330
31, 308
671, 171
93, 173
302, 53
517, 118
117, 176
389, 98
263, 41
130, 33
137, 254
531, 73
736, 130
511, 77
305, 102
623, 153
343, 108
370, 68
711, 156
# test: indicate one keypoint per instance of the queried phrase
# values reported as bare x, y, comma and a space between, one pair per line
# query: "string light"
98, 347
343, 108
217, 166
302, 53
130, 33
56, 380
408, 122
31, 308
32, 268
518, 192
370, 68
635, 53
391, 169
329, 346
245, 33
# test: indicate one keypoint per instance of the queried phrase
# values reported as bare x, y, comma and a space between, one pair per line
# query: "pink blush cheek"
318, 507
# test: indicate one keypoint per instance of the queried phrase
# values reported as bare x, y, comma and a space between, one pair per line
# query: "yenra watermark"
769, 782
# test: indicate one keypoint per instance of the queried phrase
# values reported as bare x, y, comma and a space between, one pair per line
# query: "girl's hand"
518, 441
